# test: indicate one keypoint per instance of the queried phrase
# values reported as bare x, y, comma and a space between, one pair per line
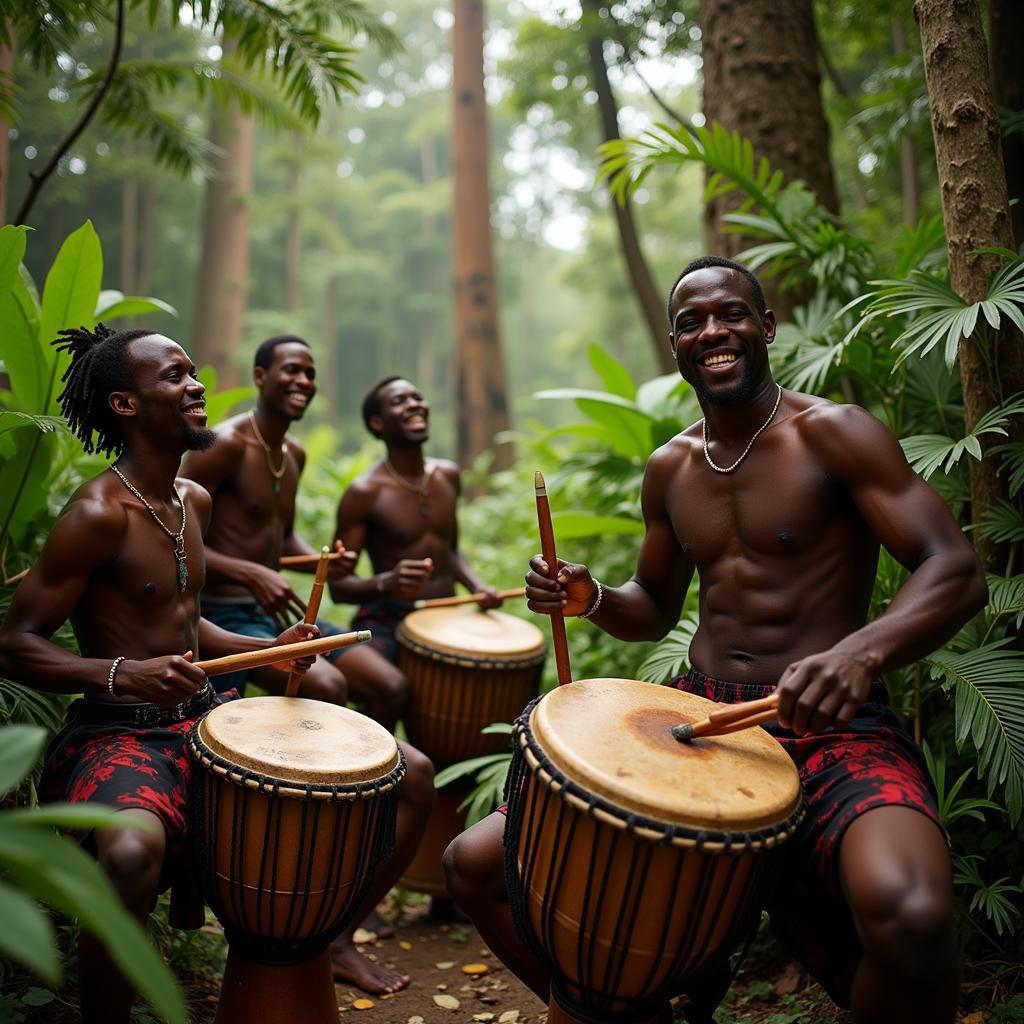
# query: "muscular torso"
131, 605
395, 527
785, 561
250, 514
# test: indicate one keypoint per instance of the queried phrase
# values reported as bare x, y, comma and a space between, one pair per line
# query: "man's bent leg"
133, 860
474, 867
896, 875
322, 682
416, 796
377, 686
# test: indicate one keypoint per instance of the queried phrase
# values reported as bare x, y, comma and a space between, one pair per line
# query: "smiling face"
718, 337
166, 401
404, 416
288, 384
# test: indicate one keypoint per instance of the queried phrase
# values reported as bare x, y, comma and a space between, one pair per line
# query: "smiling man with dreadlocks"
124, 562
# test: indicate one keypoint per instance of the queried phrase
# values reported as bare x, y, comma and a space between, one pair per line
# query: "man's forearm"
222, 568
37, 662
630, 613
354, 589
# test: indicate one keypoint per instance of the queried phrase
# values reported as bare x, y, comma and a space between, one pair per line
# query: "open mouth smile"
719, 359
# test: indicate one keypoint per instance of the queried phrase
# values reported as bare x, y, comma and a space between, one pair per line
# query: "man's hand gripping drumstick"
730, 719
312, 608
547, 546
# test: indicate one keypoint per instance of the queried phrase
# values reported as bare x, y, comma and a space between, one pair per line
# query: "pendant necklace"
275, 473
750, 443
422, 488
178, 539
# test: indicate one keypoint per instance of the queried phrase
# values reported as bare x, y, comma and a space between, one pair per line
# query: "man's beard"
742, 391
198, 439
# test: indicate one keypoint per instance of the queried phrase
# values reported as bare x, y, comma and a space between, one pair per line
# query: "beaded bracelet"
597, 602
111, 674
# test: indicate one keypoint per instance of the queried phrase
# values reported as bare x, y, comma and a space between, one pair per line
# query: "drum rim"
642, 826
489, 661
248, 779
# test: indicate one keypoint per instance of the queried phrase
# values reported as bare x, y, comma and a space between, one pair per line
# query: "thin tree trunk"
129, 232
224, 260
293, 230
761, 78
909, 189
1006, 33
332, 345
481, 390
972, 184
6, 68
147, 237
427, 358
650, 300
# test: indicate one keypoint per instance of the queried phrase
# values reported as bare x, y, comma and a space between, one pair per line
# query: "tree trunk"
6, 68
332, 347
224, 258
650, 300
481, 394
129, 232
761, 79
1006, 30
972, 183
147, 236
293, 230
909, 189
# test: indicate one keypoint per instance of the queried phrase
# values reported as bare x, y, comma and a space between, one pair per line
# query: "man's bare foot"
348, 964
376, 924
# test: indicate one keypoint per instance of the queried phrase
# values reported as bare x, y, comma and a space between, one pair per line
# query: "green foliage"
38, 864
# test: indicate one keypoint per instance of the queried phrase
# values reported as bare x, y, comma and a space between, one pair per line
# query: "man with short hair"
403, 511
780, 501
124, 562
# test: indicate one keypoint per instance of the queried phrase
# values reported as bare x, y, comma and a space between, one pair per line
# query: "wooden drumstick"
547, 547
449, 602
730, 719
294, 678
332, 556
283, 652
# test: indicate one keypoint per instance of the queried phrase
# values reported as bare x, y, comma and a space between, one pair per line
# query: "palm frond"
1006, 596
989, 713
671, 656
1002, 523
1012, 455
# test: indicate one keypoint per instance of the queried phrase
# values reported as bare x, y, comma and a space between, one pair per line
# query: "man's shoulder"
367, 484
97, 506
677, 448
850, 442
821, 421
233, 432
445, 467
193, 492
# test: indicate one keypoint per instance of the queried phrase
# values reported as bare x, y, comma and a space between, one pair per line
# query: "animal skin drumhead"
297, 740
469, 631
613, 737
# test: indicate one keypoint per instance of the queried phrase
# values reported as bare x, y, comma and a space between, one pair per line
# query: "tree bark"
761, 78
972, 183
1006, 30
293, 231
129, 232
147, 237
7, 68
481, 392
222, 291
650, 300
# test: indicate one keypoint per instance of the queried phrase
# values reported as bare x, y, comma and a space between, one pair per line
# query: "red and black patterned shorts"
872, 762
101, 757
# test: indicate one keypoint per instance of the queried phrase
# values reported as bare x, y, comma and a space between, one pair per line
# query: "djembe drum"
468, 669
631, 859
295, 807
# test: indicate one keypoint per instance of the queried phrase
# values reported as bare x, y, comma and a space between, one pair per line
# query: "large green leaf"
21, 480
69, 299
21, 748
614, 376
570, 525
671, 656
56, 871
19, 345
112, 305
12, 252
27, 934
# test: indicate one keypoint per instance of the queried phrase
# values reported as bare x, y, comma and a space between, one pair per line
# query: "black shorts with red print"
871, 762
102, 757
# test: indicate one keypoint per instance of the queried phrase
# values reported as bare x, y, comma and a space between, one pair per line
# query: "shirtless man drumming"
779, 501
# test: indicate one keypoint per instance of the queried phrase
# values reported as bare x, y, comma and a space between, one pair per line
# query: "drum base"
255, 993
425, 872
556, 1015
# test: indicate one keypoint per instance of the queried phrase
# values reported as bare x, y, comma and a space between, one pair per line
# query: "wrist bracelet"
380, 584
596, 603
111, 674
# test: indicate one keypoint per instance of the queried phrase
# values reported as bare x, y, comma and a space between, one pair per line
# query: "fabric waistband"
725, 692
99, 712
226, 599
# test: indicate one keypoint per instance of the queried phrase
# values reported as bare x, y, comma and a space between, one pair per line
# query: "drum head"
613, 738
297, 740
468, 631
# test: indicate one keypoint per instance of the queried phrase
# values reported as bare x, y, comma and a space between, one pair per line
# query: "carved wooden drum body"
632, 858
295, 805
468, 668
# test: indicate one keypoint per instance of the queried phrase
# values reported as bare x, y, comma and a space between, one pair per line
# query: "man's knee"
904, 917
324, 682
133, 859
392, 690
474, 862
417, 787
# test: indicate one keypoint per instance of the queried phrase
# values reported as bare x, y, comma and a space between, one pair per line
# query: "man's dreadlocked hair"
99, 365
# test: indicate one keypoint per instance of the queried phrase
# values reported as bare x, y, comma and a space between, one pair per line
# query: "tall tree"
648, 296
223, 280
761, 78
975, 206
481, 391
1006, 31
6, 69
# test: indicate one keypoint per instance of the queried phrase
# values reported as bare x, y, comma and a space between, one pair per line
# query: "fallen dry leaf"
483, 1016
789, 981
445, 965
509, 1017
973, 1018
441, 987
363, 1004
415, 1020
361, 937
405, 945
447, 1002
474, 969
